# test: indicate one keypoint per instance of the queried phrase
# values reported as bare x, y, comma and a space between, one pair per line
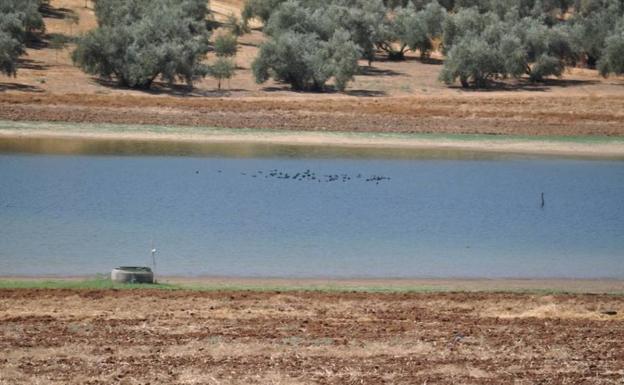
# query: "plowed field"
152, 337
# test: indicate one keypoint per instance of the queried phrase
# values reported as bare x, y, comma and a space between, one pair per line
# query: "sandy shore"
77, 138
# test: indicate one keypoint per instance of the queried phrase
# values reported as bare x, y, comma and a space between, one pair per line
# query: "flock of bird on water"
310, 176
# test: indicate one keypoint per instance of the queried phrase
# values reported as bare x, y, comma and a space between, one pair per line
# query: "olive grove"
481, 40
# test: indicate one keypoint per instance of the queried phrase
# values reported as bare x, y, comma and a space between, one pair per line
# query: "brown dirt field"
390, 96
152, 337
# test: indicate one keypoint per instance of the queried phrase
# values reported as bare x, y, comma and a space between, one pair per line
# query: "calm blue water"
64, 215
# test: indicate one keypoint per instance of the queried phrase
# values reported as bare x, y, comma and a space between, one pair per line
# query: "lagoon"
431, 214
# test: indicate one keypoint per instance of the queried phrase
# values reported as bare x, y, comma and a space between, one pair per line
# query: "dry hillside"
389, 96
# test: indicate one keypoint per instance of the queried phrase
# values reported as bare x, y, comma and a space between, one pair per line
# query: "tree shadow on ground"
327, 90
254, 45
28, 64
67, 38
48, 11
37, 42
282, 88
430, 60
408, 59
365, 93
374, 71
527, 85
42, 41
212, 24
164, 88
18, 87
565, 83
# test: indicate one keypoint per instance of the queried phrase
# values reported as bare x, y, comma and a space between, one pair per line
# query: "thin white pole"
153, 251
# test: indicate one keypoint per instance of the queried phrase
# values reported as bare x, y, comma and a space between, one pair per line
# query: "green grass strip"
102, 283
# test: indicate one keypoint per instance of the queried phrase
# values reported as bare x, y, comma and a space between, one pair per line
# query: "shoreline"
372, 285
70, 138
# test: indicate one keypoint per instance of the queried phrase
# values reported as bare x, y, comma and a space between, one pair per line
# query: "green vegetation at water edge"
95, 283
103, 283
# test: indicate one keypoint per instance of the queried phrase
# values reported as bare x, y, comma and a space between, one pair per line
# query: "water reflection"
79, 146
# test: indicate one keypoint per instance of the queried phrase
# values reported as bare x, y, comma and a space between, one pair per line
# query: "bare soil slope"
389, 96
141, 337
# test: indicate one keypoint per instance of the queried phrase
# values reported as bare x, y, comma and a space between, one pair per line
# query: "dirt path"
140, 337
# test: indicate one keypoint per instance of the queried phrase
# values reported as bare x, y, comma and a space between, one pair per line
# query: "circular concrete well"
132, 274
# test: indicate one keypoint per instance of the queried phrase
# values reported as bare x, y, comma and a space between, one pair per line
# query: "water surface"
474, 216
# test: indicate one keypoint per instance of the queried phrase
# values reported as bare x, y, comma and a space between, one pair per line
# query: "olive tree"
259, 9
592, 24
10, 50
484, 46
18, 19
363, 19
408, 29
225, 45
547, 49
464, 22
236, 26
305, 61
308, 45
27, 12
222, 68
137, 41
612, 58
472, 60
420, 4
343, 53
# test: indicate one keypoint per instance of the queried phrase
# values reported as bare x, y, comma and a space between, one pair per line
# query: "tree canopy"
225, 44
481, 46
612, 56
137, 41
18, 19
483, 40
307, 46
307, 62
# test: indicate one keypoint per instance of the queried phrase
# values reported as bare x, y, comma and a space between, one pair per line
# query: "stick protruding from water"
153, 252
